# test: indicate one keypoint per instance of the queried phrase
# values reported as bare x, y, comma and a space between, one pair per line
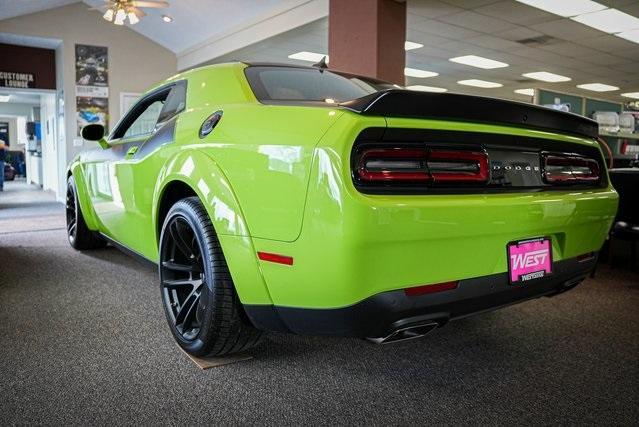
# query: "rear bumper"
383, 313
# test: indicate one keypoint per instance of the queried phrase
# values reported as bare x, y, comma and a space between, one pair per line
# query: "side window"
145, 122
175, 102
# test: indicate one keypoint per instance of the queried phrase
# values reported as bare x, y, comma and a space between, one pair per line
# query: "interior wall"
50, 147
13, 130
135, 62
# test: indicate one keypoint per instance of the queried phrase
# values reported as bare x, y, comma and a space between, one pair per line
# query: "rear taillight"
422, 166
570, 169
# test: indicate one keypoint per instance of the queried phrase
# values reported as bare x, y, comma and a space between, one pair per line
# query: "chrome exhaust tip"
406, 333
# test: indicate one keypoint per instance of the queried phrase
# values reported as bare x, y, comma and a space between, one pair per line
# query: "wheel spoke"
177, 234
174, 266
182, 282
186, 307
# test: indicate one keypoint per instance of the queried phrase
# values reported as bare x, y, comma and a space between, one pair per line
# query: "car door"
126, 173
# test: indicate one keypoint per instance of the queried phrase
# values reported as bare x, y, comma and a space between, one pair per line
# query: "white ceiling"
447, 28
492, 29
195, 21
19, 97
11, 8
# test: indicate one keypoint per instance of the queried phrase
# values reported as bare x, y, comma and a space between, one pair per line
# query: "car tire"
79, 235
203, 310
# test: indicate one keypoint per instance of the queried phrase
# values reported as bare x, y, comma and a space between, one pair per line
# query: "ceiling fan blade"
149, 3
138, 12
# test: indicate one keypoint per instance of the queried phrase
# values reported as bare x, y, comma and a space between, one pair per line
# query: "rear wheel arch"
197, 173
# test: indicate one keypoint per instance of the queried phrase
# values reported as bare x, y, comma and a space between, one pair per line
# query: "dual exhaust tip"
406, 333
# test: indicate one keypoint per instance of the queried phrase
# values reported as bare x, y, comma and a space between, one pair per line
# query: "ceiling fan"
117, 11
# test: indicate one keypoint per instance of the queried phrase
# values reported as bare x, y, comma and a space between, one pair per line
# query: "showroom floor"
84, 341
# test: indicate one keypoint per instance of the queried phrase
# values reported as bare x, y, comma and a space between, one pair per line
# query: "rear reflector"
425, 166
279, 259
430, 289
586, 257
567, 169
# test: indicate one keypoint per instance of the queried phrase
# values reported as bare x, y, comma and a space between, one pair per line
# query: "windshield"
274, 83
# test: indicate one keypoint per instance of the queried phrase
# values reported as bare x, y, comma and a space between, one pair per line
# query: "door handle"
131, 152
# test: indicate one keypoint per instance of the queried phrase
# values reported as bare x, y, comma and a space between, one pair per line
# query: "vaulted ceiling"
526, 38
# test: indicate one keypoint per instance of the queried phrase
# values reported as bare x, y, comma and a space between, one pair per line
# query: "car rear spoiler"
451, 106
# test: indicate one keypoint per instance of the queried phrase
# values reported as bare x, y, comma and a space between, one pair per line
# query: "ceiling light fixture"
422, 74
108, 15
545, 76
422, 88
609, 21
632, 35
167, 19
565, 8
527, 92
412, 45
480, 83
479, 62
308, 56
117, 11
598, 87
4, 98
634, 95
120, 16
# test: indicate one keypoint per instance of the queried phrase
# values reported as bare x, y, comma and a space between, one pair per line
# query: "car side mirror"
95, 132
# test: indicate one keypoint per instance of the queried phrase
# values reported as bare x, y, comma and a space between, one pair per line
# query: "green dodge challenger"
299, 199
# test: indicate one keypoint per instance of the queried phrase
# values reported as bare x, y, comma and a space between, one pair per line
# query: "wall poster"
91, 85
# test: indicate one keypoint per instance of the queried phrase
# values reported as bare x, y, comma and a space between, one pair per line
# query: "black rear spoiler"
452, 106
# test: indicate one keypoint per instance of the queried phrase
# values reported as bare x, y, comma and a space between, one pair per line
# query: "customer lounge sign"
17, 80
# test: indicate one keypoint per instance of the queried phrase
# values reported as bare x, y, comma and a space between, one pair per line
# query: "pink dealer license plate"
529, 259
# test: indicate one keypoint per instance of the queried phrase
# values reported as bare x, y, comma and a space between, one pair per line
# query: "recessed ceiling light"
527, 92
598, 87
412, 45
414, 72
422, 88
4, 98
167, 19
308, 56
545, 76
634, 95
479, 83
479, 62
609, 20
632, 35
565, 8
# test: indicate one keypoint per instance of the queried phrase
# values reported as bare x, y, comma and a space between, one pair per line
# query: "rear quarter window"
305, 84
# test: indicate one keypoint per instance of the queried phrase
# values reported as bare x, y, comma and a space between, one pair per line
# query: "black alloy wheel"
72, 214
182, 274
203, 310
80, 237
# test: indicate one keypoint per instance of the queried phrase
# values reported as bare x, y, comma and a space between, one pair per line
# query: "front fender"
202, 174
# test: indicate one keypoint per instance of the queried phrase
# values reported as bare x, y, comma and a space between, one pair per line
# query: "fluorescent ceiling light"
632, 35
634, 95
412, 45
308, 56
4, 98
598, 87
422, 88
422, 74
609, 20
527, 92
479, 83
479, 62
565, 8
545, 76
